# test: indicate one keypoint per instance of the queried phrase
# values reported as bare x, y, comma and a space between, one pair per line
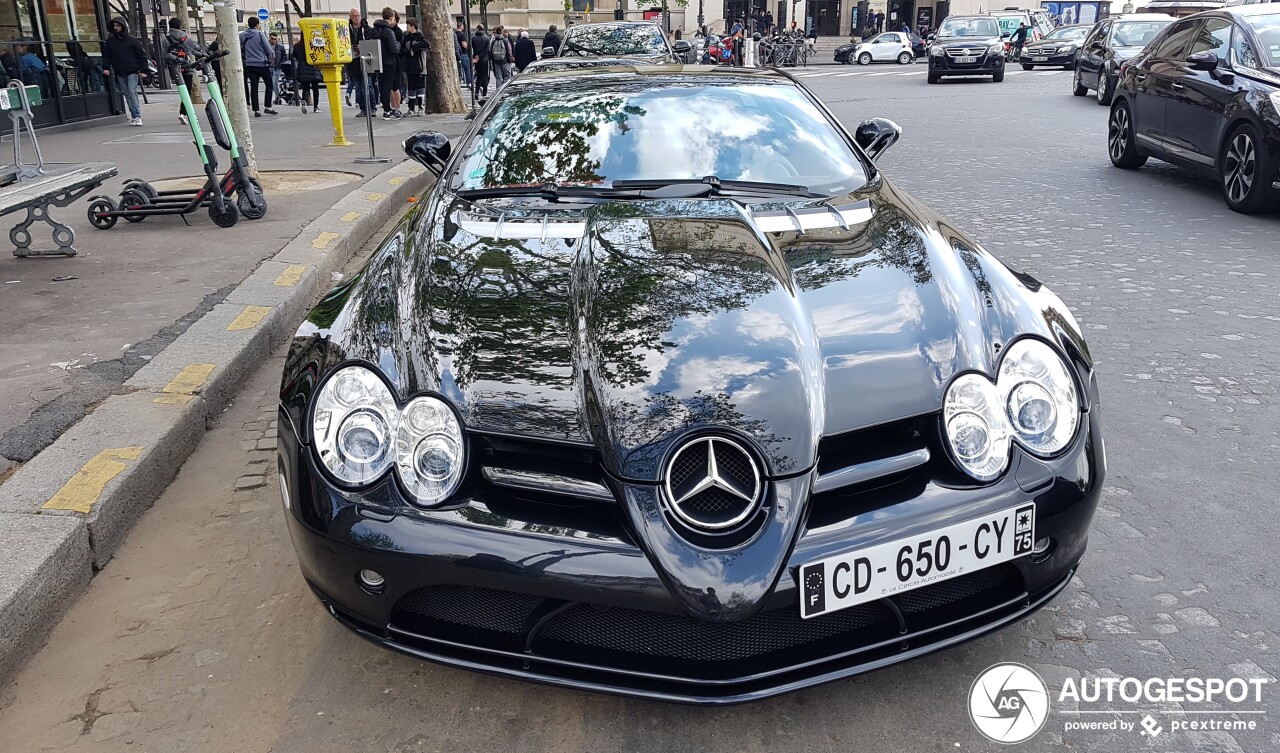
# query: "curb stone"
65, 512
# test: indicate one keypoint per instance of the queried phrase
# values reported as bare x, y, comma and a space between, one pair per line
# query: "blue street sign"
263, 14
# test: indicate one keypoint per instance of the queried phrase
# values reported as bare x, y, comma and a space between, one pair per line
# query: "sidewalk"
67, 344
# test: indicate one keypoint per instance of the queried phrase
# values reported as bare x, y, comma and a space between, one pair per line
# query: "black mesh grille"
734, 464
712, 501
977, 590
500, 611
691, 463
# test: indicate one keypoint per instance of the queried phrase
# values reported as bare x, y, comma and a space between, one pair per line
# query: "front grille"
864, 447
956, 52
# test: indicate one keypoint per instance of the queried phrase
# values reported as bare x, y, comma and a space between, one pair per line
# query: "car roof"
1141, 17
613, 24
700, 73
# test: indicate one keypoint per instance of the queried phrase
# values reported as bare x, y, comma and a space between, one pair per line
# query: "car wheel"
905, 58
998, 77
1121, 146
1106, 88
1027, 67
864, 59
1244, 167
933, 78
1078, 88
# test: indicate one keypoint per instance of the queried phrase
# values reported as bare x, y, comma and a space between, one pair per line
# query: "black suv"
1205, 95
967, 46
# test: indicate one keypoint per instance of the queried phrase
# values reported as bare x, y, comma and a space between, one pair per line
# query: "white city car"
887, 47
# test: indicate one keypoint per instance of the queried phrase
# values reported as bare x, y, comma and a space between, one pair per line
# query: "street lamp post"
701, 19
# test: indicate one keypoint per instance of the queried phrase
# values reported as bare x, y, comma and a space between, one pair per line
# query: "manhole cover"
275, 181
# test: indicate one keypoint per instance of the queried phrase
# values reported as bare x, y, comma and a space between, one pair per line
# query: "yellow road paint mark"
290, 276
249, 318
375, 196
174, 399
350, 217
191, 378
397, 180
324, 239
84, 488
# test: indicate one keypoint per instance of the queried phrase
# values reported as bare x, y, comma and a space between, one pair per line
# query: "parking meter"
328, 45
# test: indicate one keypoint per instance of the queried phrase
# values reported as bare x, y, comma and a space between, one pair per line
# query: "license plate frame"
965, 59
869, 573
1041, 59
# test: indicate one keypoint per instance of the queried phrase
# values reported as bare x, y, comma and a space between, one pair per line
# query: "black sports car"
1059, 47
624, 406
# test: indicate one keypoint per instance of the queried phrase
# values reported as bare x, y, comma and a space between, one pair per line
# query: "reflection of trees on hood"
892, 240
561, 150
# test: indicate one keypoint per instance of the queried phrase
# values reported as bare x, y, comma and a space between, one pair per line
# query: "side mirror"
1203, 61
876, 135
431, 148
931, 37
681, 46
548, 52
1096, 44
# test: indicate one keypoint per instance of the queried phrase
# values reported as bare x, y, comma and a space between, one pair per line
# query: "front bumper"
943, 65
517, 588
1031, 57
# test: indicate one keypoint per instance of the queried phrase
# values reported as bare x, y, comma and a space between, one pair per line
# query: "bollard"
328, 44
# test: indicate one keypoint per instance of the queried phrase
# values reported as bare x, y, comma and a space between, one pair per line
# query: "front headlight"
1066, 49
1033, 402
935, 50
359, 433
996, 48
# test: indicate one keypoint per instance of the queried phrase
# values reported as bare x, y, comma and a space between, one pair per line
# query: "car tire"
905, 58
1027, 67
933, 78
864, 59
1122, 147
1078, 88
1244, 169
1106, 88
998, 77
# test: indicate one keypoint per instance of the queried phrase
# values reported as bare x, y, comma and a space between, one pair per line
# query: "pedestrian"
214, 48
308, 78
415, 66
480, 60
462, 49
501, 54
525, 51
552, 40
385, 81
360, 83
397, 76
256, 51
181, 48
125, 59
279, 57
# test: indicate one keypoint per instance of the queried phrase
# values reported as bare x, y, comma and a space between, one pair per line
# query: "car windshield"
970, 27
1136, 33
603, 39
596, 132
1268, 30
1076, 32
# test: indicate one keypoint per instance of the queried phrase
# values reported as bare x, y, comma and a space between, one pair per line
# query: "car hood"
1052, 44
629, 325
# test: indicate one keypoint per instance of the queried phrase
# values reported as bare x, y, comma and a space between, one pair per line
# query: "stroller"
288, 93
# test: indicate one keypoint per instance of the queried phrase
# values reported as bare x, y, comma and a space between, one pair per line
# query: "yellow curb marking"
324, 239
84, 488
191, 378
375, 196
251, 317
397, 180
350, 217
174, 399
290, 276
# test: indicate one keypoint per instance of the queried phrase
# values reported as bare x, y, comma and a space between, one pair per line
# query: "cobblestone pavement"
200, 635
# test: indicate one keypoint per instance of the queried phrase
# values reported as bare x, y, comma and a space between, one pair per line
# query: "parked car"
967, 46
1205, 95
640, 41
1111, 42
1059, 47
889, 47
584, 416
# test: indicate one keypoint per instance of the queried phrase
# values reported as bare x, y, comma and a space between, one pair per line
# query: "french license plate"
1039, 60
852, 578
966, 59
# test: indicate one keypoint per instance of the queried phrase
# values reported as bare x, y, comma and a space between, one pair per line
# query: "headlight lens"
997, 47
353, 424
1033, 401
1066, 48
429, 446
359, 433
1039, 395
935, 50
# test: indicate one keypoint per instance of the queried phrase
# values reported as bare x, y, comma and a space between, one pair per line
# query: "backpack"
499, 51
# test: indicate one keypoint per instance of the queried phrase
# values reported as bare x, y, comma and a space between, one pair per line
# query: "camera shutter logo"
1008, 703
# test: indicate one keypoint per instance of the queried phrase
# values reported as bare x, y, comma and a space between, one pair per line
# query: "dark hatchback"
1206, 96
1112, 42
622, 406
967, 46
1059, 47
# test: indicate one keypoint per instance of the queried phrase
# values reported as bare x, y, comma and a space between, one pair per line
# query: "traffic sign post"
263, 14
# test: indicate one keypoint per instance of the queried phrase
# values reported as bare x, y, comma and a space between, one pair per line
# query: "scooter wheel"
223, 213
102, 213
138, 184
252, 207
134, 198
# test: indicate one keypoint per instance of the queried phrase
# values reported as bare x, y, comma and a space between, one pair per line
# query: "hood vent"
822, 217
522, 227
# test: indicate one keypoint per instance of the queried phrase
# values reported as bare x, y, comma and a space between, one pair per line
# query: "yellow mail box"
328, 40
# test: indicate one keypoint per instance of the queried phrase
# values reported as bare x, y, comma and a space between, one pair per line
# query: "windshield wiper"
549, 191
683, 188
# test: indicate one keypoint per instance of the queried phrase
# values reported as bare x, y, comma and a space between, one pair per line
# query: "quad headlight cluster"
360, 432
1033, 402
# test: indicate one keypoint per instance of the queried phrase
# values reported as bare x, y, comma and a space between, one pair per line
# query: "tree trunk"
224, 14
443, 90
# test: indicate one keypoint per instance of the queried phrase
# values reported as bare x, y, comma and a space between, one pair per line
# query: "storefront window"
57, 46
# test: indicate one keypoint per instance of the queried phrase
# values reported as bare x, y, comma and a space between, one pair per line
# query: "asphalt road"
200, 635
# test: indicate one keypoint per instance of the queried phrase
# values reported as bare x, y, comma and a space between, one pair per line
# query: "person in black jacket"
552, 40
361, 85
383, 34
415, 66
480, 60
126, 61
526, 52
308, 77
